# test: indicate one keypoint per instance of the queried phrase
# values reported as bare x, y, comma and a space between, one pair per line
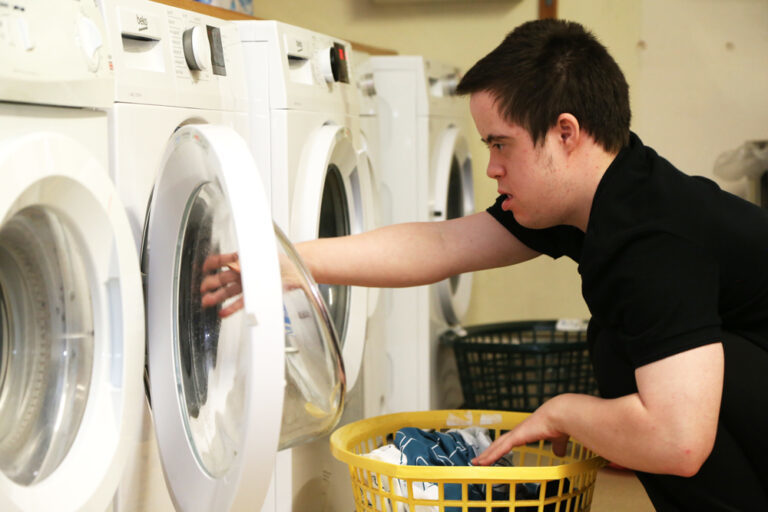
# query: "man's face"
526, 174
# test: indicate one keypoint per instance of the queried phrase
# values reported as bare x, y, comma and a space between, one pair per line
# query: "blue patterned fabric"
428, 448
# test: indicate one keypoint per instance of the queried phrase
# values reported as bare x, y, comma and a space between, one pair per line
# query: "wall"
703, 79
696, 68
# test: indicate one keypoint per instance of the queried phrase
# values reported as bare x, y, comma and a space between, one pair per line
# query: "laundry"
416, 447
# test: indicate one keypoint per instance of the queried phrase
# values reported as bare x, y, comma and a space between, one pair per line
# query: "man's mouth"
507, 203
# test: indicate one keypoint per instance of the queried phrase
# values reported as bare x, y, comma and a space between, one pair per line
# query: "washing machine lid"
215, 383
327, 201
71, 363
453, 196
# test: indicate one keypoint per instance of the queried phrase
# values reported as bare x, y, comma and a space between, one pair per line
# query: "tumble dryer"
303, 119
426, 167
71, 316
223, 391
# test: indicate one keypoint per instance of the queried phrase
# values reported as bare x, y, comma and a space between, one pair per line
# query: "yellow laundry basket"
565, 484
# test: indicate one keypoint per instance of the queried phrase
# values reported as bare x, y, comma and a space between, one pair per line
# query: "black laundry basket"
516, 366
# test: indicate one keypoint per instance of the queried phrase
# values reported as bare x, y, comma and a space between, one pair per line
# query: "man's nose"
494, 169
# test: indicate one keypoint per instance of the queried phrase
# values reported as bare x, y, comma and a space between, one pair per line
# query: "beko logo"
142, 22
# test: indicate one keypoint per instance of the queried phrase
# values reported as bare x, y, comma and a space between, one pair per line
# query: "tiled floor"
619, 491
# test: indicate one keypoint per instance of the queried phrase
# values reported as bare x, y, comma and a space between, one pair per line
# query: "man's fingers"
498, 449
221, 294
215, 261
236, 306
219, 279
559, 445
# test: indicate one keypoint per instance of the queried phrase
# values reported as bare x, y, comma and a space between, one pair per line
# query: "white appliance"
71, 316
426, 168
221, 398
304, 117
303, 113
376, 363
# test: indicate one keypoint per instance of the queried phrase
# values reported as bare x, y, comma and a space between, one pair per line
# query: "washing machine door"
372, 216
71, 328
328, 202
215, 383
453, 196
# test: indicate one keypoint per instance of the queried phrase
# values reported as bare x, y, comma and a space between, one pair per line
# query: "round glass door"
209, 357
71, 328
213, 375
314, 371
453, 198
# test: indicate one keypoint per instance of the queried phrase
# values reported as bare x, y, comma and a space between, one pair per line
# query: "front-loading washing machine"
427, 170
71, 309
224, 391
376, 364
304, 115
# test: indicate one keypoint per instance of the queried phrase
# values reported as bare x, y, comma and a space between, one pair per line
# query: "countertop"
619, 490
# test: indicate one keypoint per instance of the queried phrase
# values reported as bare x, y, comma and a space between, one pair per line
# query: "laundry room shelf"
536, 480
516, 366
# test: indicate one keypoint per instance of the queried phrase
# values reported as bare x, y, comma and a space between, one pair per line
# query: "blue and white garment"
417, 447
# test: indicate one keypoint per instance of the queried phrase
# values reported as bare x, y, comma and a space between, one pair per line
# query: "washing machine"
427, 170
376, 369
71, 308
304, 116
223, 392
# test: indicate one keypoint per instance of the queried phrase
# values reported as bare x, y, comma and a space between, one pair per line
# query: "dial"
197, 50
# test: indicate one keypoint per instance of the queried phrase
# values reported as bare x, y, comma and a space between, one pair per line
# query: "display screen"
217, 51
339, 63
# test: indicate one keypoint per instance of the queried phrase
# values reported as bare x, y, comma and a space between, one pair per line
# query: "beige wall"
697, 72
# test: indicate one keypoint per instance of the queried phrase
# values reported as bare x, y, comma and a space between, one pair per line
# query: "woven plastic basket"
563, 484
516, 366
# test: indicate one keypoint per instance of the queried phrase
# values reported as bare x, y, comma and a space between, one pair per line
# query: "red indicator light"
341, 54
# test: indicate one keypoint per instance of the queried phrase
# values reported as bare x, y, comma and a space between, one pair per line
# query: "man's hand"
538, 426
222, 281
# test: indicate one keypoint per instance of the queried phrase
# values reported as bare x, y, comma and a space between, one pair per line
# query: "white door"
328, 202
453, 196
71, 328
217, 384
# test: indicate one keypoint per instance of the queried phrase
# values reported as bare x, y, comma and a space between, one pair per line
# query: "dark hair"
547, 67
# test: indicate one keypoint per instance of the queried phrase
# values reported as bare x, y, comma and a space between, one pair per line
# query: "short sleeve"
555, 242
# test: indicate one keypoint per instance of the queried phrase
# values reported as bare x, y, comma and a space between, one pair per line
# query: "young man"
674, 271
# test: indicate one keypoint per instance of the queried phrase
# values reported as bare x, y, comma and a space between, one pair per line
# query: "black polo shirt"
670, 262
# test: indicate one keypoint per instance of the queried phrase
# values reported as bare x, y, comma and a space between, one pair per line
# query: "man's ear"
568, 131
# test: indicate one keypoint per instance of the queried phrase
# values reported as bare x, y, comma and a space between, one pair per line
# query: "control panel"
294, 67
314, 58
171, 56
54, 52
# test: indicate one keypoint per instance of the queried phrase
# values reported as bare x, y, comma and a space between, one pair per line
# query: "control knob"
197, 50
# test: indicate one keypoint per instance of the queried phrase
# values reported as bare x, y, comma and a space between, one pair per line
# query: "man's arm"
413, 254
667, 427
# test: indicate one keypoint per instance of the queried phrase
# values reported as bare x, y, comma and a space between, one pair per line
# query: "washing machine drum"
71, 328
